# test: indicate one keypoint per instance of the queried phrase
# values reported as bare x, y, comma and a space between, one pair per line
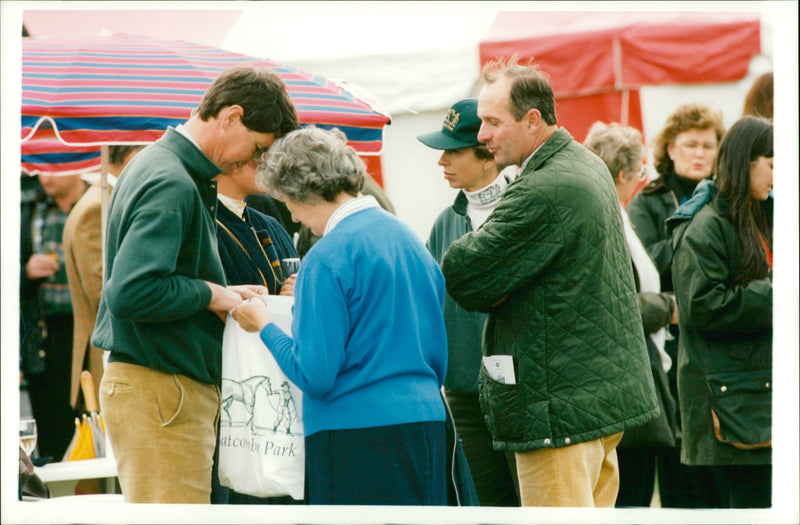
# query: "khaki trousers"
162, 428
582, 475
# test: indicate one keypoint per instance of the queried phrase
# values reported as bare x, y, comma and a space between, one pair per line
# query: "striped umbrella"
125, 89
44, 154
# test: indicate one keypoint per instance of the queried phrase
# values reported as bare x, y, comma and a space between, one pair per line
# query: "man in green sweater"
164, 295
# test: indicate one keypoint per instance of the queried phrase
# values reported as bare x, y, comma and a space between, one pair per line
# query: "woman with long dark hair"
722, 274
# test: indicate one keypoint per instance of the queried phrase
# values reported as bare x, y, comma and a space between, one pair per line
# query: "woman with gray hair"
639, 451
368, 346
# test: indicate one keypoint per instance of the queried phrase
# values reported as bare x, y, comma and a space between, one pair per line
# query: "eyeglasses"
691, 145
643, 172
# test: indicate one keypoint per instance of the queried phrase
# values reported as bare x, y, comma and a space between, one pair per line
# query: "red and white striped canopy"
125, 89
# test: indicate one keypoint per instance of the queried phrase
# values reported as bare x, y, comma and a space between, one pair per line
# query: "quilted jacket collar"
558, 141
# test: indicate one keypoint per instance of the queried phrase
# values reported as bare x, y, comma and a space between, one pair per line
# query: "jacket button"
567, 441
547, 441
723, 388
767, 385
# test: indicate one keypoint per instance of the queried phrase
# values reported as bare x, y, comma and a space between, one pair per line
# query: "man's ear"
230, 114
534, 118
621, 178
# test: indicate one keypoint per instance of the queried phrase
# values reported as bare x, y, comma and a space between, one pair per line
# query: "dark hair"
758, 101
117, 154
685, 117
747, 140
482, 152
260, 92
530, 88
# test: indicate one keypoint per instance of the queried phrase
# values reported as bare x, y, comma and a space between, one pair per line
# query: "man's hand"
249, 291
41, 265
225, 299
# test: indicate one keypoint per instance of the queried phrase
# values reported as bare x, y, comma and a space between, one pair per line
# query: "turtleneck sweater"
480, 203
682, 186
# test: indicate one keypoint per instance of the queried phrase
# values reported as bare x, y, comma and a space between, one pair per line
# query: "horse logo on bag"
250, 393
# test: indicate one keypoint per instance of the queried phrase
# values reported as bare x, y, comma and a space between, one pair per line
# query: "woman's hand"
287, 288
252, 315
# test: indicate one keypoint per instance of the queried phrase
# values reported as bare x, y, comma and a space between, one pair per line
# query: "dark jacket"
161, 245
251, 250
552, 269
464, 329
31, 320
664, 430
648, 212
726, 328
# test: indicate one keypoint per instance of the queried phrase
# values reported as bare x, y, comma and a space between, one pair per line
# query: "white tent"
416, 60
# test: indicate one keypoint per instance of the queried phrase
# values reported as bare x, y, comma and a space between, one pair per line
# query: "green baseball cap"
460, 127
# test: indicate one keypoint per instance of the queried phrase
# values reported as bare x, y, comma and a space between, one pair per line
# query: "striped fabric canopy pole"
126, 89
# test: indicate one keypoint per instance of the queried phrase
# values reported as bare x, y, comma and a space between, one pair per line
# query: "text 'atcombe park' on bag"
261, 442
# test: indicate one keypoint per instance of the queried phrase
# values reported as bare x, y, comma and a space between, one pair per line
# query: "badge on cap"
451, 119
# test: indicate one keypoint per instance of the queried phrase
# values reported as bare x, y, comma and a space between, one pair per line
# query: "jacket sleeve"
89, 263
651, 230
313, 360
521, 237
143, 284
284, 246
707, 301
656, 310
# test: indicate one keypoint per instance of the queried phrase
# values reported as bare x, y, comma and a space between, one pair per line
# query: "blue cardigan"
369, 345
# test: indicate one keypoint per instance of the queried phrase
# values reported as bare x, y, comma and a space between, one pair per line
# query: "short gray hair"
312, 163
620, 147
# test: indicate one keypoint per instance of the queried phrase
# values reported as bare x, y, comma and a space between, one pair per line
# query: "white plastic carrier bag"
261, 444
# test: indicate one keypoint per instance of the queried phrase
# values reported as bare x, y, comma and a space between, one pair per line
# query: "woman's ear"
671, 151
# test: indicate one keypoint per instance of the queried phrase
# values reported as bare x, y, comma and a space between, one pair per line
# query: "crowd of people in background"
590, 351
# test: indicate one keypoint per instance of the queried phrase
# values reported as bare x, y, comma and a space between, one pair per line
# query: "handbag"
741, 408
261, 441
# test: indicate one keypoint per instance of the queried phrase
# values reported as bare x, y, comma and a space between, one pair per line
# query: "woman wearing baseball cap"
470, 167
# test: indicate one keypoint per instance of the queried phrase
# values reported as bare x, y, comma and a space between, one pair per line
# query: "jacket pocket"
503, 408
741, 408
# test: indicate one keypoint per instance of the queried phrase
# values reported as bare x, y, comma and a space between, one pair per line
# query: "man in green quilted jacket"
565, 364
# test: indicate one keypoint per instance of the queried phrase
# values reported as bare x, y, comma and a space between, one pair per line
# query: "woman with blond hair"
684, 152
